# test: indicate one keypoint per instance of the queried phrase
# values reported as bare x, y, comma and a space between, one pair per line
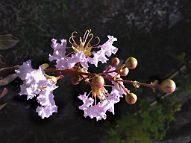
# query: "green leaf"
7, 41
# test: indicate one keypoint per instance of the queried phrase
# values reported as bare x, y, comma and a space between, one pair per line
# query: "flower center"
84, 46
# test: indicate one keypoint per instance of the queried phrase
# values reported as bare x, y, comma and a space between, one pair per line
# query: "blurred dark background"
156, 32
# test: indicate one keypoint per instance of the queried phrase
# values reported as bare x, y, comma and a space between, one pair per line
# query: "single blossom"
66, 61
35, 84
99, 110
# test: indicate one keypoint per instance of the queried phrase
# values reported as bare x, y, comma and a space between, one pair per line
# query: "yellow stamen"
84, 45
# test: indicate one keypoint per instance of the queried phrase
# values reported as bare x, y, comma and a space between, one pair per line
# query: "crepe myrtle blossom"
99, 110
107, 87
106, 100
83, 52
37, 84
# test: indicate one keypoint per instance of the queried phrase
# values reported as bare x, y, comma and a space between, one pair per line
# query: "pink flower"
35, 84
99, 110
63, 61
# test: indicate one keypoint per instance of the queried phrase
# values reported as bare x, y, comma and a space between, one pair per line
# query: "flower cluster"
75, 61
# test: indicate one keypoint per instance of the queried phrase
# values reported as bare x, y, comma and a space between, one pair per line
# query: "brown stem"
118, 82
123, 87
116, 70
110, 71
141, 84
75, 72
67, 71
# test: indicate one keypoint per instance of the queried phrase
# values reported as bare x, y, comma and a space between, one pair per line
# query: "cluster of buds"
107, 87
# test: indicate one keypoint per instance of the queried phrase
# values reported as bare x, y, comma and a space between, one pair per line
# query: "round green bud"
98, 81
131, 63
168, 86
131, 98
124, 71
115, 61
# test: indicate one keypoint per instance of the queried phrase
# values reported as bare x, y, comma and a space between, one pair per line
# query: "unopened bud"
124, 71
97, 87
131, 98
98, 81
115, 61
131, 63
168, 86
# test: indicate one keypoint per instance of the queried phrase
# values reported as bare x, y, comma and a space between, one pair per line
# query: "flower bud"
124, 71
168, 86
98, 81
131, 63
131, 98
115, 61
97, 87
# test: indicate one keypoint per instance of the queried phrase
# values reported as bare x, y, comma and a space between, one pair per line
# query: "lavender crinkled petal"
24, 69
108, 47
46, 111
99, 110
59, 49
